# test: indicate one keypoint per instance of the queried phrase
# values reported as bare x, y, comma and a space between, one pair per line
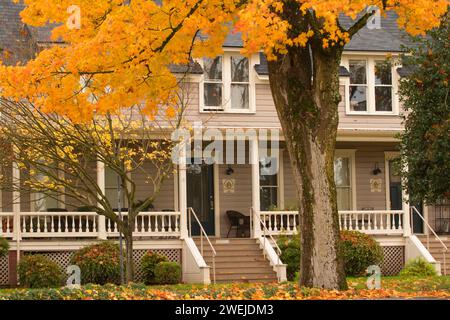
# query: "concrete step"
215, 241
246, 270
225, 247
245, 278
238, 260
233, 253
238, 264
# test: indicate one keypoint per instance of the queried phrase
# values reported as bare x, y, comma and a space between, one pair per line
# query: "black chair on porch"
240, 222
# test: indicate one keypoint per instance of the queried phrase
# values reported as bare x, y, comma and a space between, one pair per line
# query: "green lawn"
392, 287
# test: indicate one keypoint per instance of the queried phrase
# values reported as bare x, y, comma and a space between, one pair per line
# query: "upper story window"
371, 87
226, 84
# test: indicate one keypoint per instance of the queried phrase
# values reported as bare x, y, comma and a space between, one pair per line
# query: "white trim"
370, 74
281, 179
388, 155
175, 189
350, 153
226, 86
69, 245
216, 200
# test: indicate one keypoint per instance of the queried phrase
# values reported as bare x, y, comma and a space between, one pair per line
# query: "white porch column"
406, 212
254, 160
182, 192
101, 184
16, 201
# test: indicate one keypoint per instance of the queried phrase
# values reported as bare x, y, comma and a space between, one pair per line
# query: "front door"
200, 196
395, 192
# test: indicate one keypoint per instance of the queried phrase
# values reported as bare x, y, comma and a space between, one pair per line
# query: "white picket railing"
150, 224
58, 224
280, 222
370, 222
6, 224
84, 224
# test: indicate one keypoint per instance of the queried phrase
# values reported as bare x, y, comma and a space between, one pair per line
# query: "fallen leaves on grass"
286, 291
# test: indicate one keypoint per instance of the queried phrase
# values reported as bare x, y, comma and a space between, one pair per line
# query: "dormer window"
226, 85
358, 85
370, 87
213, 84
383, 86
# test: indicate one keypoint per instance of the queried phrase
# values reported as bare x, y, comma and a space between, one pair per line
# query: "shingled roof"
20, 42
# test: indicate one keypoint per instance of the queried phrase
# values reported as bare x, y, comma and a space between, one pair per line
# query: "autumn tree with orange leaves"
127, 46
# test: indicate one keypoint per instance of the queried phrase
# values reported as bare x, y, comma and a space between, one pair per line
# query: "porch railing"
150, 224
280, 222
430, 229
203, 234
370, 222
83, 224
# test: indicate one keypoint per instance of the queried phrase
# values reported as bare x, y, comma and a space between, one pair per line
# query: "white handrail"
268, 233
445, 248
203, 232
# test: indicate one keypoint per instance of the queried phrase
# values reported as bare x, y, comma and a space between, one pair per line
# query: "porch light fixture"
229, 171
376, 170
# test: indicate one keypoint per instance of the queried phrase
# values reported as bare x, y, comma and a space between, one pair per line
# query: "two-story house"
241, 203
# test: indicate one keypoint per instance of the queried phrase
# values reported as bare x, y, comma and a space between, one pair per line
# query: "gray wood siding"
240, 200
267, 117
366, 121
144, 188
7, 199
365, 157
290, 190
367, 154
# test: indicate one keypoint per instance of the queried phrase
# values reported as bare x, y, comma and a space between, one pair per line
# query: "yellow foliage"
124, 51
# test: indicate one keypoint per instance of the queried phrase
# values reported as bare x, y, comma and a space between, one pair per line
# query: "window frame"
60, 197
280, 178
124, 203
351, 155
226, 86
370, 74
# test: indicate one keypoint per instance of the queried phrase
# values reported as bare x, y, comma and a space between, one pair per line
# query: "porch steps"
435, 250
238, 260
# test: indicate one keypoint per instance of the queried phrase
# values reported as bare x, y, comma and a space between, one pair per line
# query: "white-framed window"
344, 177
371, 87
111, 189
227, 85
44, 201
269, 183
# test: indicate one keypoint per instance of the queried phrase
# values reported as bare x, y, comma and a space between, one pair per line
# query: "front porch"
369, 198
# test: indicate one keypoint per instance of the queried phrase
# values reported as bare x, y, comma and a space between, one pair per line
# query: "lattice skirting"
62, 258
394, 260
173, 255
4, 271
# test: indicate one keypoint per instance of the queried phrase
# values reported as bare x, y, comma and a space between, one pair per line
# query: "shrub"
290, 254
418, 268
37, 271
99, 263
168, 273
4, 247
148, 264
359, 252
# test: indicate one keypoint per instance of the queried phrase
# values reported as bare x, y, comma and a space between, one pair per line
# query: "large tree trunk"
305, 88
